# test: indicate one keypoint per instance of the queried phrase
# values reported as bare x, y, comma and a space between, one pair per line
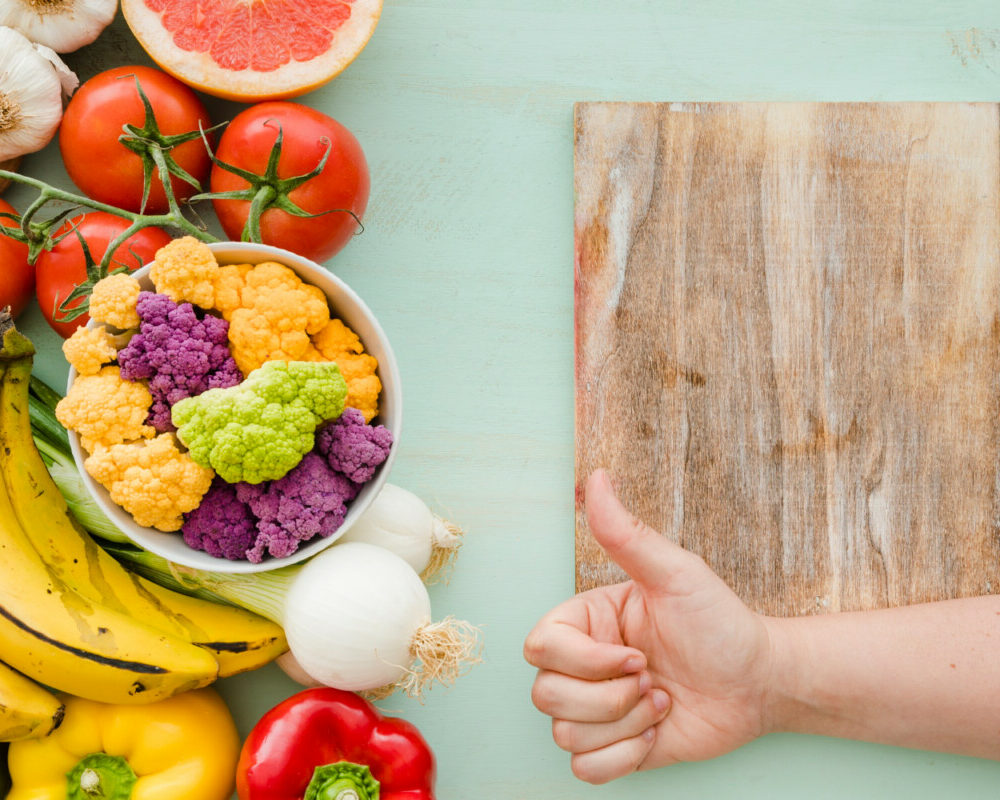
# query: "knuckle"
534, 647
584, 769
541, 695
563, 735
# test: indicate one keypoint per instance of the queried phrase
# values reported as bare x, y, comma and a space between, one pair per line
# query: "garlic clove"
63, 25
30, 96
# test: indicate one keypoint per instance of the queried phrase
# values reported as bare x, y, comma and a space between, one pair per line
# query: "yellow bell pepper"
182, 748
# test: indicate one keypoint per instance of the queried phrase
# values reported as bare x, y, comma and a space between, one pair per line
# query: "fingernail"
634, 664
645, 682
649, 734
661, 700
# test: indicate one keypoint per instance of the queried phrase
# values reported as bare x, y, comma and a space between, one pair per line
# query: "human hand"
670, 666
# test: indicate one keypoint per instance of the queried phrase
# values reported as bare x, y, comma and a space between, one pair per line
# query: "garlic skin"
30, 96
67, 78
63, 25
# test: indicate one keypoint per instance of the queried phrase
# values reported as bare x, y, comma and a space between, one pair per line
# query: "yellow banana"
54, 635
239, 639
27, 711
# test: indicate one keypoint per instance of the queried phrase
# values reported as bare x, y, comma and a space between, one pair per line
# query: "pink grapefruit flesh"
253, 50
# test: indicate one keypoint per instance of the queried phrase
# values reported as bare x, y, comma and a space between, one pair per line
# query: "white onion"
351, 614
400, 521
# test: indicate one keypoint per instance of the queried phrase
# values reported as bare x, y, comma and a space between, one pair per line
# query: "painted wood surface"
787, 343
465, 112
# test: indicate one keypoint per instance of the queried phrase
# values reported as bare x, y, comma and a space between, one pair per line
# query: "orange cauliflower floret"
106, 410
339, 344
271, 313
88, 349
185, 271
230, 281
152, 480
112, 301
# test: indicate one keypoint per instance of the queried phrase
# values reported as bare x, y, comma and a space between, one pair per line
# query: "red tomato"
63, 267
17, 278
343, 184
103, 167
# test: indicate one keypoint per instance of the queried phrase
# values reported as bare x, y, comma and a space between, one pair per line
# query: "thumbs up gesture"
669, 666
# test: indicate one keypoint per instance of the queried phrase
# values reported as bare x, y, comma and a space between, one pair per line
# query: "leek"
260, 592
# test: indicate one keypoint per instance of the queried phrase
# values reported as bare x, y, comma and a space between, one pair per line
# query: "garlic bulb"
63, 25
31, 93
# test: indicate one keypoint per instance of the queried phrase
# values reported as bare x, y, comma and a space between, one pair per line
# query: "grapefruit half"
250, 50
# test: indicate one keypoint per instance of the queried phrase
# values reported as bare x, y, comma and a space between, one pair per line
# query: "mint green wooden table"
464, 108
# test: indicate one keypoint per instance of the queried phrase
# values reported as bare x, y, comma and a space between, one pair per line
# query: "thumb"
648, 557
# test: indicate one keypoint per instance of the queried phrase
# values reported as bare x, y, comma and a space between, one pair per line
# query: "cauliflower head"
185, 270
352, 447
259, 430
223, 526
106, 410
271, 313
152, 480
339, 344
178, 353
310, 501
112, 301
89, 349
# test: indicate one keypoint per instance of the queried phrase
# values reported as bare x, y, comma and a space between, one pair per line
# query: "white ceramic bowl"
346, 305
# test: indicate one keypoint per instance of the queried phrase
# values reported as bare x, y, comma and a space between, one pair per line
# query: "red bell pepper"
328, 744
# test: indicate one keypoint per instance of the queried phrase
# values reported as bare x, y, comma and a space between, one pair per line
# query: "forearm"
924, 676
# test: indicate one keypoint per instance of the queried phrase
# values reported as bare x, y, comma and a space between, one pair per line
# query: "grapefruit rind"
200, 71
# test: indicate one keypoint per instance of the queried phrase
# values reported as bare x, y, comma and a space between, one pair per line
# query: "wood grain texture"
788, 346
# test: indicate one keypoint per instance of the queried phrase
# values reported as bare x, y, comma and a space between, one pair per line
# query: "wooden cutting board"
788, 343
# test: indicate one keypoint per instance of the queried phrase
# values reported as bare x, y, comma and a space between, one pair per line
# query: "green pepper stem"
100, 776
342, 781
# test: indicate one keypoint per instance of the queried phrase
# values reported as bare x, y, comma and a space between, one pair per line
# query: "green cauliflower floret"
260, 429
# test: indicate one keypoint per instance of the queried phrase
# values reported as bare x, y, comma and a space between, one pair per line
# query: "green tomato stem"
262, 200
163, 172
172, 219
49, 192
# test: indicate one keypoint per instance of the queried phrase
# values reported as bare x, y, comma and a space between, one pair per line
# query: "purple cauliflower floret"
180, 355
223, 526
311, 500
353, 447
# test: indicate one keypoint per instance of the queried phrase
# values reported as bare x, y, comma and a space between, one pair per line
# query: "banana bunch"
73, 618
